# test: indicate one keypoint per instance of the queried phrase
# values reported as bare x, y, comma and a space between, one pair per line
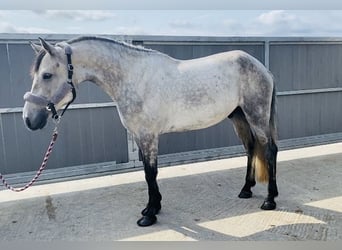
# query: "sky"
326, 23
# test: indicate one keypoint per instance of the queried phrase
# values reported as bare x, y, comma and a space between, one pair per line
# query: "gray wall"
306, 70
315, 67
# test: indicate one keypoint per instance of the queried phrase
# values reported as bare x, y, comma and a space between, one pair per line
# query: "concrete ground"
199, 203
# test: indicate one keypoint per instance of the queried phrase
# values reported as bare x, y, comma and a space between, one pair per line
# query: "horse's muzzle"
38, 121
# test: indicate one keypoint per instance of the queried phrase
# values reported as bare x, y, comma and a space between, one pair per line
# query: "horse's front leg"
149, 150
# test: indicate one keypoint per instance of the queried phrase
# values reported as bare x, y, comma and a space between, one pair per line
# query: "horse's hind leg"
264, 159
244, 132
149, 148
271, 157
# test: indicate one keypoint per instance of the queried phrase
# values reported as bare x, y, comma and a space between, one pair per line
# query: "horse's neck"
109, 67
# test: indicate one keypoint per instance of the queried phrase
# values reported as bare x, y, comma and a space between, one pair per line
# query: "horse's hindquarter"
203, 92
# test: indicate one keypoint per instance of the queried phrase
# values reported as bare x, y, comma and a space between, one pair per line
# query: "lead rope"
39, 171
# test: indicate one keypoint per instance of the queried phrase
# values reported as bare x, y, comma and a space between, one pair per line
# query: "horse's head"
50, 75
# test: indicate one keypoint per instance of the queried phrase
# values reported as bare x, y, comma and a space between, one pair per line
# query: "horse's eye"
47, 76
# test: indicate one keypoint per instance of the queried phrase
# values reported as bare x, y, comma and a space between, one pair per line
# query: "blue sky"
175, 22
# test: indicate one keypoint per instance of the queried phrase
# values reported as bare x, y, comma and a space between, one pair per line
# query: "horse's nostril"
28, 123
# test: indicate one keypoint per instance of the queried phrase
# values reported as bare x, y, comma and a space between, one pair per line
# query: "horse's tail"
259, 161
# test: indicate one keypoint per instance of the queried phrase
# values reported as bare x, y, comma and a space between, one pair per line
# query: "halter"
61, 93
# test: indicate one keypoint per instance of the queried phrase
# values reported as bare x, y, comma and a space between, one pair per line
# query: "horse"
158, 94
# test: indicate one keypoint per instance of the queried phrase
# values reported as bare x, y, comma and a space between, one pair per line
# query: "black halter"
51, 106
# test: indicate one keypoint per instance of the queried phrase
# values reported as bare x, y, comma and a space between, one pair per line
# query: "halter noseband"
50, 104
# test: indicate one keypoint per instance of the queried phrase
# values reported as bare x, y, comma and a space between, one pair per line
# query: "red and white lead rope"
40, 170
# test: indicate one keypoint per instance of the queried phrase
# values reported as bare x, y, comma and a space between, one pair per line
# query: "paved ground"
199, 203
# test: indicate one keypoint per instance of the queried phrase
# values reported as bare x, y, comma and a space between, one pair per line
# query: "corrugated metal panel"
86, 136
15, 62
310, 114
306, 66
5, 82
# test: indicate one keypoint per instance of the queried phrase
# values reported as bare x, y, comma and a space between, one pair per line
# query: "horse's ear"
36, 47
49, 48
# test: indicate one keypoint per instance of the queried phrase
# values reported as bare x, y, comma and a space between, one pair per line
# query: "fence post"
267, 53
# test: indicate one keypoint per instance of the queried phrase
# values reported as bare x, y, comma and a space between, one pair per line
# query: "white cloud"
282, 23
6, 27
77, 15
276, 17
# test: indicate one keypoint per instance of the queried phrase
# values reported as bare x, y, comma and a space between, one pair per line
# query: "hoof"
268, 205
245, 194
146, 221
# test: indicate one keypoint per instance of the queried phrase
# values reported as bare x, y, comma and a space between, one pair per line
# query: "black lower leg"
243, 130
154, 196
246, 191
271, 155
153, 205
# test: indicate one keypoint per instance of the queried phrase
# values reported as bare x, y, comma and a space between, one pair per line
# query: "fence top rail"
25, 37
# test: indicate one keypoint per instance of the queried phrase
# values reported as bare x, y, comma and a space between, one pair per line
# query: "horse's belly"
199, 118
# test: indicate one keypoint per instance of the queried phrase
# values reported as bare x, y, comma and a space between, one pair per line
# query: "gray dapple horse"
157, 94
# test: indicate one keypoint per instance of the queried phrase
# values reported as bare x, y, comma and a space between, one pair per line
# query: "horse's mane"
42, 53
105, 39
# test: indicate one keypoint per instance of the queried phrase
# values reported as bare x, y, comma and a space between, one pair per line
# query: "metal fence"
307, 72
